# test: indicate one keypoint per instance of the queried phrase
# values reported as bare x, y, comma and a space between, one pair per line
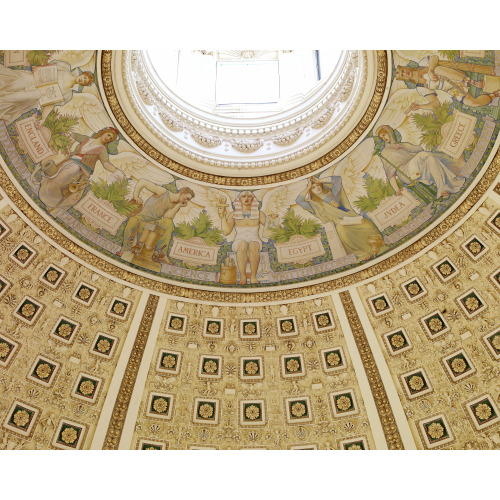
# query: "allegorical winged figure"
326, 199
432, 76
22, 90
160, 208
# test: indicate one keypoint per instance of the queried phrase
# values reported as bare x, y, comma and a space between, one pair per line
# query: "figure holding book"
327, 200
43, 87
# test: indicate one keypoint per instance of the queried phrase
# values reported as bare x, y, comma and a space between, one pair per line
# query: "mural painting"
432, 138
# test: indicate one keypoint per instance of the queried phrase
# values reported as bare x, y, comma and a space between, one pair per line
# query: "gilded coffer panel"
272, 377
62, 329
436, 321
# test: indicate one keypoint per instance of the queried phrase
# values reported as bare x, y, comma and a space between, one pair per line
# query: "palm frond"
310, 228
114, 193
449, 54
376, 190
201, 227
430, 124
60, 127
39, 57
294, 224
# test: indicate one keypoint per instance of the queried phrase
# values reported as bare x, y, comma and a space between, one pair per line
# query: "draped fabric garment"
414, 163
77, 169
354, 237
19, 95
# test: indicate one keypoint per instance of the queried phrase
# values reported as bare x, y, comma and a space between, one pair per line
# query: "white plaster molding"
142, 375
385, 374
121, 366
225, 146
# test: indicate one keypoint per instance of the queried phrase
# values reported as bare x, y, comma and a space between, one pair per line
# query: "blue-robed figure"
326, 199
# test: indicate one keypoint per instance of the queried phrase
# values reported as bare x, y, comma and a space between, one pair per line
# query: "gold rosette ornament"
397, 341
287, 326
28, 310
458, 365
69, 435
413, 289
298, 409
168, 361
86, 387
22, 254
472, 304
64, 330
252, 412
176, 323
482, 411
160, 405
118, 308
292, 365
354, 447
84, 293
380, 304
250, 328
445, 269
323, 320
205, 411
435, 324
435, 430
43, 371
21, 418
333, 359
103, 346
52, 276
4, 349
251, 368
416, 383
210, 366
496, 342
343, 403
474, 247
213, 327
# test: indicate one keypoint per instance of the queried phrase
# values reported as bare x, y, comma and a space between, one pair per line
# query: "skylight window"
253, 82
243, 83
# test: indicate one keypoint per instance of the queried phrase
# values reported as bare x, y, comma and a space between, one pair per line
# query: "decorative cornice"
389, 426
252, 297
174, 123
150, 99
120, 409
